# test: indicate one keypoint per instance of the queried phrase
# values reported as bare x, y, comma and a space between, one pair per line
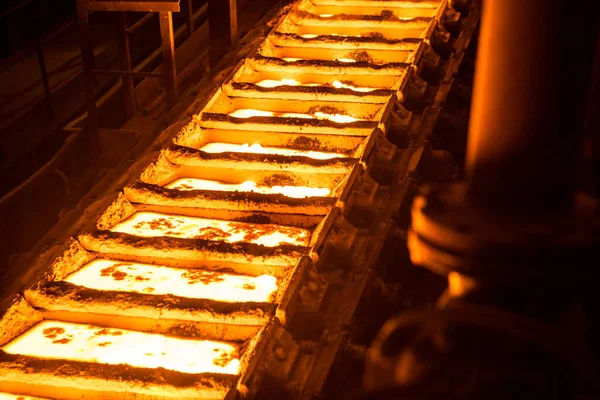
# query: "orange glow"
248, 186
342, 59
96, 344
459, 285
123, 276
312, 35
270, 83
218, 147
8, 396
341, 118
341, 85
325, 15
249, 112
151, 224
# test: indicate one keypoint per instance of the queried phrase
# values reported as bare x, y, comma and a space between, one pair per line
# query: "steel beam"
125, 61
168, 50
223, 28
87, 56
138, 24
133, 5
190, 18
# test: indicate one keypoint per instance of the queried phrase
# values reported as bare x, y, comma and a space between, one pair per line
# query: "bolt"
243, 391
280, 354
330, 339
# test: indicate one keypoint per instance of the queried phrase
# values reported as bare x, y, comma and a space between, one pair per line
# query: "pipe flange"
450, 234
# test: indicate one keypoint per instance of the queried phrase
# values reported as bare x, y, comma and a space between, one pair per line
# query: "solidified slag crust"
297, 119
189, 196
191, 249
186, 155
309, 89
354, 61
367, 42
248, 186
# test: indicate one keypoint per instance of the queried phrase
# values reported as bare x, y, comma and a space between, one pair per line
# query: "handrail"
140, 22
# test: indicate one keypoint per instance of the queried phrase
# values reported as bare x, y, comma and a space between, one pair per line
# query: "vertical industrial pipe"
511, 238
528, 104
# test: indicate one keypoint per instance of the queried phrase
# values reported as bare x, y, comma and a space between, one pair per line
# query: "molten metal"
256, 148
151, 224
88, 343
8, 396
313, 35
270, 83
341, 85
122, 276
249, 112
248, 186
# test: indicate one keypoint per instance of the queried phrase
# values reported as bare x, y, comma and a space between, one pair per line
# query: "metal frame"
223, 28
165, 9
131, 5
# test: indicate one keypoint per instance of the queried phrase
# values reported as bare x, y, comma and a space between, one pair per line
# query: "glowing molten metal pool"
151, 224
125, 276
271, 83
249, 112
8, 396
248, 186
343, 59
218, 147
314, 35
95, 344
